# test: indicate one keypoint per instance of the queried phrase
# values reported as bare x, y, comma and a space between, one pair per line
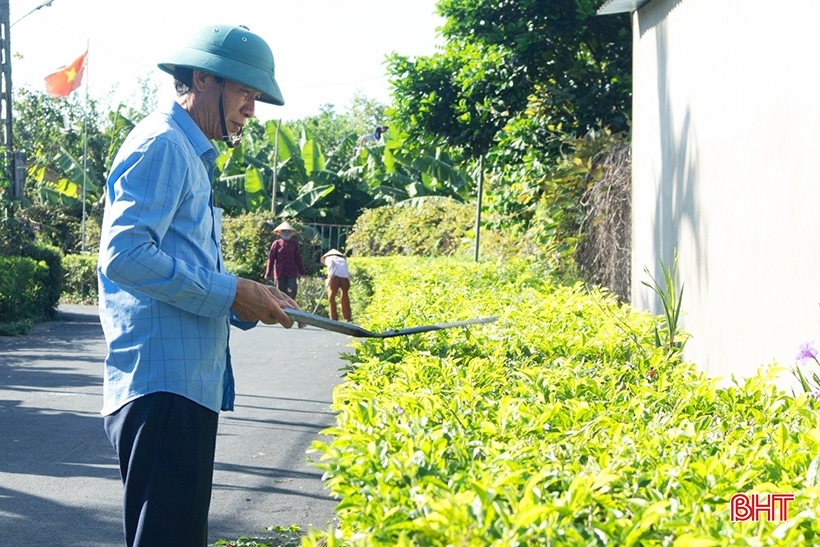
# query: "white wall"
726, 169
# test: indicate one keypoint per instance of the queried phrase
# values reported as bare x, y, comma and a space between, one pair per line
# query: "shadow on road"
59, 478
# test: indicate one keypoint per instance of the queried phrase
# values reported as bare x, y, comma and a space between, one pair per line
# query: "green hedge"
25, 293
432, 226
559, 424
30, 288
32, 278
53, 258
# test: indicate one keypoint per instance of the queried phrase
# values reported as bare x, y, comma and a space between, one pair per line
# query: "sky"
325, 51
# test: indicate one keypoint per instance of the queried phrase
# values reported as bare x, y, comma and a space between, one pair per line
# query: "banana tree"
394, 175
239, 187
60, 179
63, 181
310, 185
331, 189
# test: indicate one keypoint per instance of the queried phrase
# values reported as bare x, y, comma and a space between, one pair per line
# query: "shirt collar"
203, 147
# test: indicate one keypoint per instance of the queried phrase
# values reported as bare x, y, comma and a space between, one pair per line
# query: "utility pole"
5, 89
15, 159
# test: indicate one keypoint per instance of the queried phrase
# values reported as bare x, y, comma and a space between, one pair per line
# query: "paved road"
59, 483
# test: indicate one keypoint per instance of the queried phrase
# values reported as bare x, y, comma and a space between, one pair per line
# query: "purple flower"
807, 351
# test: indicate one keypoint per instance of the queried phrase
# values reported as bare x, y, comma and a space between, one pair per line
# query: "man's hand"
279, 295
254, 302
291, 303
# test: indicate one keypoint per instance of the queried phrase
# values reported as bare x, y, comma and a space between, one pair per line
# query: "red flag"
66, 79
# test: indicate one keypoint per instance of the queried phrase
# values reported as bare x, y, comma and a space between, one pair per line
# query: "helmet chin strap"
231, 139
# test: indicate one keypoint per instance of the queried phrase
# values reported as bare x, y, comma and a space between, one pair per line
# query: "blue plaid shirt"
165, 296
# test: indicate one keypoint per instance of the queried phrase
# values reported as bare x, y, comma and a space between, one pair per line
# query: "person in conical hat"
285, 261
167, 302
285, 227
338, 283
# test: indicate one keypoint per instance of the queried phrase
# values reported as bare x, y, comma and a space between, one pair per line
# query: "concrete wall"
726, 152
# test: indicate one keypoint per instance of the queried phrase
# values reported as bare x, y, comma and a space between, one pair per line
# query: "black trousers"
165, 444
288, 285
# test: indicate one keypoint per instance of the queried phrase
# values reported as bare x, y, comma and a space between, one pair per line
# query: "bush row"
559, 424
23, 293
434, 226
80, 279
431, 226
32, 280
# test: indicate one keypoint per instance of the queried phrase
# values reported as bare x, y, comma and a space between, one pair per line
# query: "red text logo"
744, 507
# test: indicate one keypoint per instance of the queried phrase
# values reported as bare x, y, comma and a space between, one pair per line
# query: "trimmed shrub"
432, 226
53, 258
15, 235
361, 288
561, 424
17, 239
24, 290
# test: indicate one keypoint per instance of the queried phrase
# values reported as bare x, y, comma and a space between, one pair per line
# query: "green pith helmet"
233, 53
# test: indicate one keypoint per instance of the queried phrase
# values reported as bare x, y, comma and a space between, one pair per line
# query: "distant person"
166, 300
375, 137
285, 260
338, 283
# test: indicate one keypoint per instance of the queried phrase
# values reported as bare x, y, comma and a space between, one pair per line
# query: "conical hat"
332, 252
285, 226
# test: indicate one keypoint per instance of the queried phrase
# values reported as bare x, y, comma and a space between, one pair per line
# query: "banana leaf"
68, 188
255, 192
313, 157
308, 197
338, 160
244, 193
287, 142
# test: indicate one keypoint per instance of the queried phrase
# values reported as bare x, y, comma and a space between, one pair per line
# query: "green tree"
580, 64
396, 172
364, 114
499, 56
329, 128
51, 132
461, 98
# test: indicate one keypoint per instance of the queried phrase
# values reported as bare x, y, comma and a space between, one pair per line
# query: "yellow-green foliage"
432, 226
80, 279
560, 424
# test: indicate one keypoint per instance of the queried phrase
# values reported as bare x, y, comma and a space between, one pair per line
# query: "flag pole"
85, 138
